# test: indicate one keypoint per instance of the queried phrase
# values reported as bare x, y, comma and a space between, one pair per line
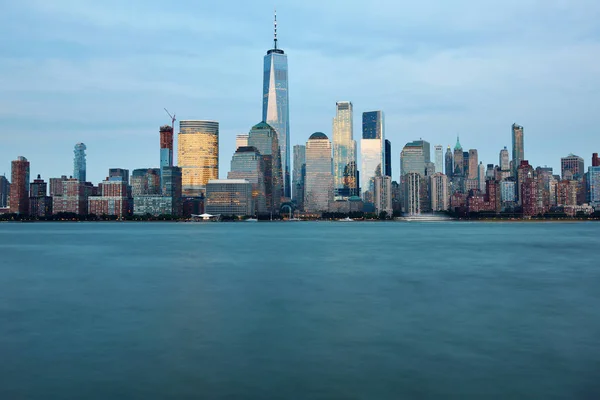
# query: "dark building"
171, 187
4, 191
449, 163
19, 188
166, 146
527, 189
118, 174
388, 158
595, 160
466, 170
40, 205
56, 185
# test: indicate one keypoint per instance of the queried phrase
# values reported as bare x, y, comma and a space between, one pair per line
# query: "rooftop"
318, 136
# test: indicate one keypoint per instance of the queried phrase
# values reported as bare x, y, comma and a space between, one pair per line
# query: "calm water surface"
299, 310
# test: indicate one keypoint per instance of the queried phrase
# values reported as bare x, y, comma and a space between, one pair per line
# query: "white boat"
251, 220
424, 218
347, 219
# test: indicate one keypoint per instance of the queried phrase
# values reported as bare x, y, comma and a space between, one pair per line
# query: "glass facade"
79, 165
344, 152
229, 197
518, 148
319, 177
387, 152
275, 109
265, 139
166, 146
449, 162
414, 157
439, 158
459, 167
372, 150
4, 191
573, 164
299, 175
247, 163
504, 159
198, 155
593, 182
438, 188
145, 181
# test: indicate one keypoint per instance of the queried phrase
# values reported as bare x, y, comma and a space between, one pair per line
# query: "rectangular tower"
518, 148
344, 152
372, 151
198, 155
19, 188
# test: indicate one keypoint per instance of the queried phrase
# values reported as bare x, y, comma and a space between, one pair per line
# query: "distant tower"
197, 155
344, 151
449, 162
439, 158
264, 139
473, 163
459, 168
518, 148
299, 175
166, 146
504, 160
319, 179
275, 111
372, 148
595, 160
79, 166
19, 187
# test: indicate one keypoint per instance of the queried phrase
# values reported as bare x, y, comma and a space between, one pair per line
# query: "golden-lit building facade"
197, 155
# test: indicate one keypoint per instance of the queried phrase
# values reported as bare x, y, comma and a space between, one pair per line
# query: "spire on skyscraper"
458, 146
275, 28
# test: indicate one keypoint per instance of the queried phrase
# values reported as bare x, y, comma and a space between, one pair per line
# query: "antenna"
172, 119
275, 28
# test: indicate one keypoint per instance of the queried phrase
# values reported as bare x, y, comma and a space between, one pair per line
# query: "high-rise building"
4, 191
79, 164
507, 193
40, 204
73, 199
388, 158
449, 163
438, 190
118, 174
383, 195
344, 152
229, 197
241, 140
56, 185
412, 193
466, 164
299, 175
473, 164
504, 160
114, 199
459, 167
593, 182
19, 187
319, 178
265, 139
248, 164
198, 154
439, 158
414, 157
518, 147
524, 172
481, 176
145, 182
372, 151
275, 111
166, 146
573, 164
595, 160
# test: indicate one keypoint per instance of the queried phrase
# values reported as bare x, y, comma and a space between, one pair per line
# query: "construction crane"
172, 119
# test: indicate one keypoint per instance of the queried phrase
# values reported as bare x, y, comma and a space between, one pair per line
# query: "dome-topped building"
318, 136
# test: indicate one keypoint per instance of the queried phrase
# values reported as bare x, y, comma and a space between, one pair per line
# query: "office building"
79, 163
169, 202
372, 152
73, 199
118, 174
595, 160
518, 148
383, 195
473, 164
229, 197
4, 191
247, 163
438, 189
113, 200
319, 178
19, 187
573, 166
439, 158
481, 176
387, 157
299, 175
265, 140
449, 162
412, 193
275, 111
145, 181
459, 167
241, 140
507, 194
198, 155
504, 160
414, 157
166, 146
593, 182
344, 152
40, 204
154, 205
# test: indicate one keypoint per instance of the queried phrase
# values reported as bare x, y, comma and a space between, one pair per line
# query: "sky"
102, 72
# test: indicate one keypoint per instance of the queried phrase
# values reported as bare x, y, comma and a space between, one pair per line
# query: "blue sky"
101, 73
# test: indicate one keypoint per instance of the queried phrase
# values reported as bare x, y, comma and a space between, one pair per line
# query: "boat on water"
251, 220
347, 219
424, 218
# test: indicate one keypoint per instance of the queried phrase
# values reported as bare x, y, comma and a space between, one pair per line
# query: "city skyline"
72, 98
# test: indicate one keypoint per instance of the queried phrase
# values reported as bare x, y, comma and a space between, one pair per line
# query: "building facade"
473, 164
79, 162
449, 163
247, 163
518, 147
145, 181
229, 197
593, 182
198, 154
166, 146
414, 157
438, 184
275, 110
439, 158
383, 195
412, 193
265, 140
241, 140
319, 177
19, 187
573, 166
4, 191
372, 147
344, 152
74, 198
459, 167
299, 175
504, 160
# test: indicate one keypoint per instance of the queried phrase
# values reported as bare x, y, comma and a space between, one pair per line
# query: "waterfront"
303, 310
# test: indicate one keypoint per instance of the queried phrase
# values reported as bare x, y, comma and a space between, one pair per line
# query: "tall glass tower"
276, 111
79, 162
372, 152
319, 180
344, 152
518, 148
197, 155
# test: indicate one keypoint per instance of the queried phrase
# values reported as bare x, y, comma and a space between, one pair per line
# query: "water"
299, 310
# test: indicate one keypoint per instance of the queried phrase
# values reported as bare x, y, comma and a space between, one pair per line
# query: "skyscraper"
481, 176
504, 160
166, 146
247, 163
145, 181
438, 184
574, 165
372, 151
319, 177
439, 158
275, 111
198, 155
473, 163
414, 157
344, 152
241, 140
412, 193
79, 164
459, 168
118, 174
383, 194
595, 160
593, 182
265, 139
299, 175
518, 148
388, 158
4, 191
19, 187
40, 204
449, 163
